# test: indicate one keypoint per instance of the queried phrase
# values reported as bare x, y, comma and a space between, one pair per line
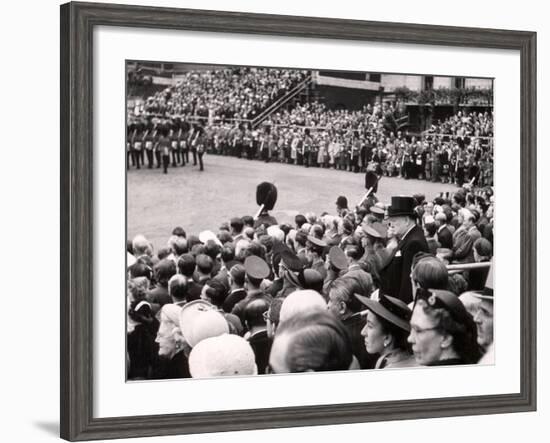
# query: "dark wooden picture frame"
77, 23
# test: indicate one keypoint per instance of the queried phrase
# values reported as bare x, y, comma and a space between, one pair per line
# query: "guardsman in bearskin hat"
266, 197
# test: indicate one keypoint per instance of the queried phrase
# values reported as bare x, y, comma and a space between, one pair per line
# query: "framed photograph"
273, 221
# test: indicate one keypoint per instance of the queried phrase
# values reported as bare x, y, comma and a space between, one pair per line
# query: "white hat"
306, 300
204, 236
199, 320
224, 355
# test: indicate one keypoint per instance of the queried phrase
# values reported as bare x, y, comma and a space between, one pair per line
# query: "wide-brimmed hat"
402, 206
199, 319
389, 308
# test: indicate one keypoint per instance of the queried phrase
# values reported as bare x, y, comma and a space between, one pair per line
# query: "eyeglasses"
418, 331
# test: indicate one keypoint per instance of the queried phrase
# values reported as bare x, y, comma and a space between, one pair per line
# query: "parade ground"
203, 200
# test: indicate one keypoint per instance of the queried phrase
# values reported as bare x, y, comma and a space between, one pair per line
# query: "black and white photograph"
300, 220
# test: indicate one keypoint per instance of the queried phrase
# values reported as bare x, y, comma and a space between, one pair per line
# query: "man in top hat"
395, 273
256, 271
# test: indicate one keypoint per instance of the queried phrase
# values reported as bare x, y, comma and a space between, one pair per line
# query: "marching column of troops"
368, 288
453, 151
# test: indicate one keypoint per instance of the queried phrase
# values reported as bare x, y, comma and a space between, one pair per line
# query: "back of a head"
315, 341
354, 251
431, 229
177, 287
300, 220
186, 265
248, 220
224, 355
255, 248
179, 245
238, 274
431, 272
227, 253
140, 245
204, 264
164, 270
237, 224
254, 312
212, 249
216, 292
483, 247
302, 301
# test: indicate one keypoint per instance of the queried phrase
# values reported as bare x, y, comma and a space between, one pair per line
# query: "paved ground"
197, 200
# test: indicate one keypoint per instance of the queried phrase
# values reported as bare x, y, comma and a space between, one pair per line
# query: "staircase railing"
282, 101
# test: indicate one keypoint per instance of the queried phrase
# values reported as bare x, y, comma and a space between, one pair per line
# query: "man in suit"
444, 235
395, 273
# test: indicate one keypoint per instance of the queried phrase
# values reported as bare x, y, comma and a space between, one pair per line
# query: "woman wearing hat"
443, 332
386, 332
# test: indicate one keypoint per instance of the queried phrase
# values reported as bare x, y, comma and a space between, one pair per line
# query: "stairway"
300, 92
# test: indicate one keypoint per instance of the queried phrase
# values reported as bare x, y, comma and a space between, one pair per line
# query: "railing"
459, 267
280, 102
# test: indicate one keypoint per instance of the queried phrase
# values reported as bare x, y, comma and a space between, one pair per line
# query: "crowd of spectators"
224, 102
329, 292
231, 93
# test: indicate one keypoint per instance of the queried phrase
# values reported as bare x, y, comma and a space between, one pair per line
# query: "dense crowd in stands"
361, 288
239, 93
457, 150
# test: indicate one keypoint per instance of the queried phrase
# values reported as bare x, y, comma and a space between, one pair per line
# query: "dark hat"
266, 194
401, 206
376, 230
342, 201
256, 268
315, 241
338, 258
389, 308
291, 261
487, 292
306, 279
439, 298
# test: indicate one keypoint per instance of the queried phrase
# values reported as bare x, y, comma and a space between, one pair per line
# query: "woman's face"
165, 337
425, 337
374, 334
